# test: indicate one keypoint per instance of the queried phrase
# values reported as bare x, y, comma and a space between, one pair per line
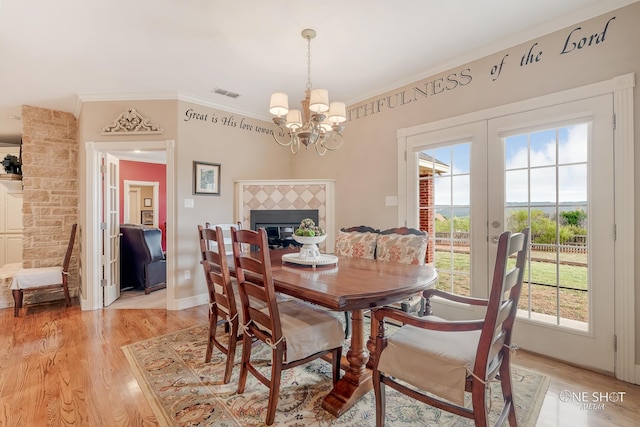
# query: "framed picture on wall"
146, 217
147, 202
206, 178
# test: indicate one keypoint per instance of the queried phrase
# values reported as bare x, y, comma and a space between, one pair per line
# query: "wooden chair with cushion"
297, 332
406, 246
447, 358
34, 280
223, 300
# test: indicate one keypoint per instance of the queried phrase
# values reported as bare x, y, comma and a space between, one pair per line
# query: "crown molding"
82, 98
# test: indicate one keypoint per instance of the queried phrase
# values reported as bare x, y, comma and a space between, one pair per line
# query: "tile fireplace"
293, 195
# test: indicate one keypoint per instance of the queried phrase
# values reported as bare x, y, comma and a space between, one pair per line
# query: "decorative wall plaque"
131, 122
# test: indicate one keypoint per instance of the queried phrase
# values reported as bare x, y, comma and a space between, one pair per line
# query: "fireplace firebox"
280, 224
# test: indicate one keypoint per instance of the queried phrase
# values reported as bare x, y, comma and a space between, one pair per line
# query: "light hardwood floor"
64, 366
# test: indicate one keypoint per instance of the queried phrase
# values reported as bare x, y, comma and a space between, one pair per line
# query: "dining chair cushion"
402, 248
442, 358
356, 245
27, 278
296, 317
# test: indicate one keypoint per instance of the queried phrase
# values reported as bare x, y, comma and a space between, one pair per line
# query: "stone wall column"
50, 180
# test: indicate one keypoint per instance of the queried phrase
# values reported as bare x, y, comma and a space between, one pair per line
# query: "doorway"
141, 202
93, 295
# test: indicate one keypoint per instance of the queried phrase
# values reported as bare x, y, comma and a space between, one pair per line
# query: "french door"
110, 230
554, 169
550, 169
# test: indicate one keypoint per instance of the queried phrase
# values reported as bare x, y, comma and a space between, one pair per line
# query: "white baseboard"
194, 301
636, 380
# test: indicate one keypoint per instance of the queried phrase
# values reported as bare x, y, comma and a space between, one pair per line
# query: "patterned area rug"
185, 391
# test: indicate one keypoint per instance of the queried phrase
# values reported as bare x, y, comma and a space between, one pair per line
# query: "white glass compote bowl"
309, 249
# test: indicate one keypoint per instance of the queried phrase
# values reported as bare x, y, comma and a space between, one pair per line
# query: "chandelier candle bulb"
294, 119
319, 100
279, 105
338, 112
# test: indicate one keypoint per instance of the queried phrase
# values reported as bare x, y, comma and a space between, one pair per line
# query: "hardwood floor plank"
63, 366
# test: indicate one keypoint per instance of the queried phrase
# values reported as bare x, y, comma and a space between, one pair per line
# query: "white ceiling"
56, 52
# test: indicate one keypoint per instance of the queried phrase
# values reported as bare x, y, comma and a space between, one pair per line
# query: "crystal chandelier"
318, 123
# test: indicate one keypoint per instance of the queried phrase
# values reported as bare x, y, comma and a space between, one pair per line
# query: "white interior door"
111, 231
553, 169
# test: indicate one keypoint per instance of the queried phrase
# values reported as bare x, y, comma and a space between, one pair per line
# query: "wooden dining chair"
296, 332
33, 280
223, 298
447, 358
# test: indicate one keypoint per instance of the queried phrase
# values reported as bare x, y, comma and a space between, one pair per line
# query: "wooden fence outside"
578, 244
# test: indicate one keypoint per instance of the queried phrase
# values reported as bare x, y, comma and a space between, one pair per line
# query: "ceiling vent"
225, 93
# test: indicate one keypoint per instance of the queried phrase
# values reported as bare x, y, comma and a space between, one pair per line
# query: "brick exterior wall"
427, 216
50, 181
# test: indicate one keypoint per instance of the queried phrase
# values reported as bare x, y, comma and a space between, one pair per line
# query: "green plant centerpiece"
309, 234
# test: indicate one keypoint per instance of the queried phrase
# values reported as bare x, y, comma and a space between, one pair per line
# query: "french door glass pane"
546, 189
446, 170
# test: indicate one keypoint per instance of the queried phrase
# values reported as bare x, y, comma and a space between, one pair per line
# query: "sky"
543, 155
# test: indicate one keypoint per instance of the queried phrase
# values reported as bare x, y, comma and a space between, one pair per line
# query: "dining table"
353, 285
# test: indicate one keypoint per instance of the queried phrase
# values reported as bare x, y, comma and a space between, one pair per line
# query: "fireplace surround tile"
288, 194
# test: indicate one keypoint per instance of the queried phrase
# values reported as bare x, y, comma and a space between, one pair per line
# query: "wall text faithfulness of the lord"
576, 40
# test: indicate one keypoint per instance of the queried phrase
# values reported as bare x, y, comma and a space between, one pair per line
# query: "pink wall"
141, 171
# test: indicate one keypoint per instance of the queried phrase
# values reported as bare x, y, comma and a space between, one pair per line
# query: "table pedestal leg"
357, 379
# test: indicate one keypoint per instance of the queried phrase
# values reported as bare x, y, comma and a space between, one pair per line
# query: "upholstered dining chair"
447, 358
355, 242
406, 246
223, 298
33, 280
296, 332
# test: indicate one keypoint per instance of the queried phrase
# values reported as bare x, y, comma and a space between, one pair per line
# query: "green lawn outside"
573, 304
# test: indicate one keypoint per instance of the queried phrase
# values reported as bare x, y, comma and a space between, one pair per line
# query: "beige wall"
243, 153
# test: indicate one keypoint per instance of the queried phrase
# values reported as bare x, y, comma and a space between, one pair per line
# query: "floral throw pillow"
356, 245
401, 248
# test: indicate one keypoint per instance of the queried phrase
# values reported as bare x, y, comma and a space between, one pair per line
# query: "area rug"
185, 391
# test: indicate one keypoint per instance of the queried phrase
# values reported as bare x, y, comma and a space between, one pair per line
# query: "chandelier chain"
309, 63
